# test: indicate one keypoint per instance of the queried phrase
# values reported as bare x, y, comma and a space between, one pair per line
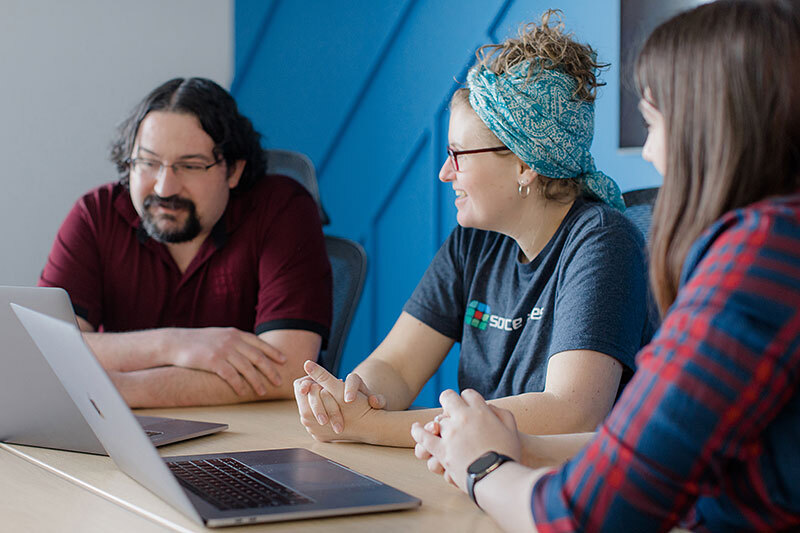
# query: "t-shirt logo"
478, 315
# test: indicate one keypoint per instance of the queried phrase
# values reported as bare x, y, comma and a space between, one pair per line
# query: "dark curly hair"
233, 134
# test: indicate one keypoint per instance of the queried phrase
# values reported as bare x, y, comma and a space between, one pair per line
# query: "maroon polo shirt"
263, 267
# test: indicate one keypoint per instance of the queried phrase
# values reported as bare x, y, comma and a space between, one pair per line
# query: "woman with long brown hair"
706, 434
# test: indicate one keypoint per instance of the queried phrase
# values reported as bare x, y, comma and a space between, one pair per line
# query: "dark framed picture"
637, 19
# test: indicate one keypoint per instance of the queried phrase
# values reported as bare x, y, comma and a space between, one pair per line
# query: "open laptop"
34, 407
213, 489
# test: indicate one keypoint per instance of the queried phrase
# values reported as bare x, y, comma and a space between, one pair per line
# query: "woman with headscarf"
543, 282
707, 433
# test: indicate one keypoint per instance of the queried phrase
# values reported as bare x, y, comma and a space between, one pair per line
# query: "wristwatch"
482, 467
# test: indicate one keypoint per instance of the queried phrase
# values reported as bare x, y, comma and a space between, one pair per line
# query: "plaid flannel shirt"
707, 433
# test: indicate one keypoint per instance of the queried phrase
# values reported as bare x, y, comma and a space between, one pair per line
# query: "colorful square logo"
477, 315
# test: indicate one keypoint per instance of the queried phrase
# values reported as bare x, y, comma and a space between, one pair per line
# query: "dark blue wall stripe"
498, 19
366, 85
247, 57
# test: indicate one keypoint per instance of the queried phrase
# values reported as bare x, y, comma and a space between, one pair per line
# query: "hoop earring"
524, 191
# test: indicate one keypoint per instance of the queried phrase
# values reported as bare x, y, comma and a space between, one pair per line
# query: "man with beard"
196, 278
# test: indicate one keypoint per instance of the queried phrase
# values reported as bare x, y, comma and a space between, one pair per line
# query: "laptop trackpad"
316, 475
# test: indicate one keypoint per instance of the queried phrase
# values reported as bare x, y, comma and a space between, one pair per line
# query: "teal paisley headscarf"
539, 120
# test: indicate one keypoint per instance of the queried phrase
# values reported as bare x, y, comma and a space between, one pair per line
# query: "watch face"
482, 463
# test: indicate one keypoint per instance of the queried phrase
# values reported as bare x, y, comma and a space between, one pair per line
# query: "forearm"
126, 352
406, 359
382, 378
544, 413
393, 428
505, 495
552, 450
172, 386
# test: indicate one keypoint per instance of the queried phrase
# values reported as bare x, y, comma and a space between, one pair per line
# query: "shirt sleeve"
438, 300
74, 262
601, 303
295, 280
721, 368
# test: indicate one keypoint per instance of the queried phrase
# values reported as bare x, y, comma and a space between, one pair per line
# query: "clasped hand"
467, 428
331, 409
238, 357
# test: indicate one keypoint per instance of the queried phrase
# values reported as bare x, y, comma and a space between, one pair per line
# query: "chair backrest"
299, 167
639, 208
349, 265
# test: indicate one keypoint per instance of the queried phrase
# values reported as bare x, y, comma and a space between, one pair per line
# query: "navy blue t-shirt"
586, 290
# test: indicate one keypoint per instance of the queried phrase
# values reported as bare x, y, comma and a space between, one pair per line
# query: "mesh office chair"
639, 208
299, 167
349, 265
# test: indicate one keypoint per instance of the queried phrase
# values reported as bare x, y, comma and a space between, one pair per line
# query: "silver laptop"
34, 407
213, 489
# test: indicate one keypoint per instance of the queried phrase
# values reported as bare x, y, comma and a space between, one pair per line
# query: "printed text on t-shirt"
479, 316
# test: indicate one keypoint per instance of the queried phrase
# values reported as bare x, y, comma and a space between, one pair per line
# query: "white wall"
70, 71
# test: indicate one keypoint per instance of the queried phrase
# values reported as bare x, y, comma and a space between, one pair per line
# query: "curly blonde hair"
549, 47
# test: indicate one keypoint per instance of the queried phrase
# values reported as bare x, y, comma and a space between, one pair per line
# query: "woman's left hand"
468, 428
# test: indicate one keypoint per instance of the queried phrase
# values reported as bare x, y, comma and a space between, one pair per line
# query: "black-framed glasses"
151, 168
453, 154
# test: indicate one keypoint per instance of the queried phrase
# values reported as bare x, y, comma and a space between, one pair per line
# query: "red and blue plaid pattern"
707, 433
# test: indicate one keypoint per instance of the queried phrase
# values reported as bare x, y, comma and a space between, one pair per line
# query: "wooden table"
69, 491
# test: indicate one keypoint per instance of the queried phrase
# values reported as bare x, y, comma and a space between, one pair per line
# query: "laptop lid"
35, 409
331, 489
103, 408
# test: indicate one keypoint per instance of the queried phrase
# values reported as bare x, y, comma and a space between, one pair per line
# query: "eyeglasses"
453, 154
150, 168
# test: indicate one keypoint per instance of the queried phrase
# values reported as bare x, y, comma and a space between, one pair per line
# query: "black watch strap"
482, 467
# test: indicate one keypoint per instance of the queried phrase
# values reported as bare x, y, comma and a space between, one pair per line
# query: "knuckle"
227, 373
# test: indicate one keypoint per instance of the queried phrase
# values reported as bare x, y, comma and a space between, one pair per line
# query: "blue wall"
362, 87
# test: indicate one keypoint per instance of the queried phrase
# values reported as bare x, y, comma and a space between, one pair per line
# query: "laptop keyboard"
230, 484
